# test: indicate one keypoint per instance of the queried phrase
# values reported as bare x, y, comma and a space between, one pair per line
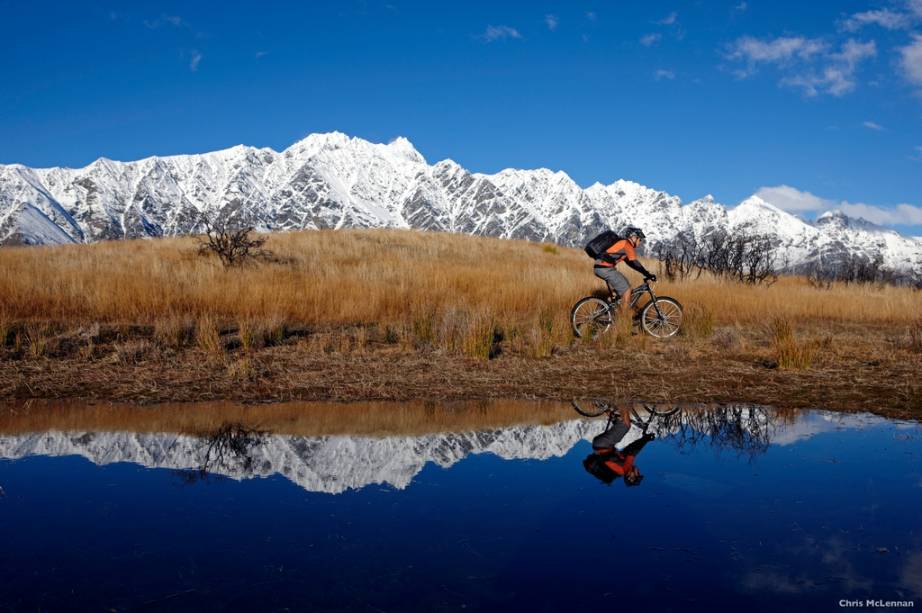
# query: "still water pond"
446, 507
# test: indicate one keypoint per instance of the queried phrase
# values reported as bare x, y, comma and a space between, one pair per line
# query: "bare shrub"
746, 258
231, 245
852, 268
678, 258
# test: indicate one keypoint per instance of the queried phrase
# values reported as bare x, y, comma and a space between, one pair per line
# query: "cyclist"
607, 462
623, 250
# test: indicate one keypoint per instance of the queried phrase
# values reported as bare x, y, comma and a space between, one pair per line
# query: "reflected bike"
642, 418
660, 317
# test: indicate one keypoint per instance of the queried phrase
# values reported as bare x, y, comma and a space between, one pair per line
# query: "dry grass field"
372, 314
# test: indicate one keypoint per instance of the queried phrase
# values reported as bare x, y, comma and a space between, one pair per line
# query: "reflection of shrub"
746, 429
230, 441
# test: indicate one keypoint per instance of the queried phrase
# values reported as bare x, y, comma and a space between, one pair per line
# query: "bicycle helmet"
631, 231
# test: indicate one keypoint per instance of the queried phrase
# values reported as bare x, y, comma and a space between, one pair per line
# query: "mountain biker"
622, 251
607, 462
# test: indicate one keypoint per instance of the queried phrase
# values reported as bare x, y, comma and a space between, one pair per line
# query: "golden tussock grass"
416, 290
789, 351
294, 418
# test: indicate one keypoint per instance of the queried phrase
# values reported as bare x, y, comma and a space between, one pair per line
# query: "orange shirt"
620, 251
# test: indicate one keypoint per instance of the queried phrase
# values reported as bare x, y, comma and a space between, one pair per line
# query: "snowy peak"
332, 180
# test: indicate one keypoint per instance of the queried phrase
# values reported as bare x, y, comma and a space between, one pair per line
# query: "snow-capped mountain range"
334, 181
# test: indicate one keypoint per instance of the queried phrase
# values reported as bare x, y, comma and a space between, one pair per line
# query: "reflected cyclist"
614, 450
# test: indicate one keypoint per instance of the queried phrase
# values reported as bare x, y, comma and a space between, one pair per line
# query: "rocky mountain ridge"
334, 181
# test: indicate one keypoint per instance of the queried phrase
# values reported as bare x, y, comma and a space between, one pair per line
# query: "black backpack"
597, 246
597, 467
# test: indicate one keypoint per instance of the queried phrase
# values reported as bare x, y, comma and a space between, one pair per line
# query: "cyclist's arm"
634, 448
636, 265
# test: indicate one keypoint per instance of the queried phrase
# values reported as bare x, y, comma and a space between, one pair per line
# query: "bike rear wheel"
664, 323
590, 317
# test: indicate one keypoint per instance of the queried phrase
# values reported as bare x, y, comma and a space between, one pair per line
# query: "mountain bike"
597, 407
660, 317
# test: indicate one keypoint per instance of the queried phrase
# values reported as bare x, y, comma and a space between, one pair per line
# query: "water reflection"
485, 506
259, 442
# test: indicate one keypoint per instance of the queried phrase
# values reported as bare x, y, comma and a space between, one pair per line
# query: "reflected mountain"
336, 448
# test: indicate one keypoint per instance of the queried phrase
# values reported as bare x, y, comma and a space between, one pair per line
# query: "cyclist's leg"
617, 283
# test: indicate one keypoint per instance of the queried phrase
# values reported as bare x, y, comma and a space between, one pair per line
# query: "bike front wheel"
661, 318
591, 407
590, 317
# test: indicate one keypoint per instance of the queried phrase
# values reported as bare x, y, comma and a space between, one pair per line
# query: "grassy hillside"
403, 279
377, 295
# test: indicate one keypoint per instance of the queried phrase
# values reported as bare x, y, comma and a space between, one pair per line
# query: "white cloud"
662, 73
493, 33
741, 7
901, 214
780, 50
911, 60
261, 54
885, 18
648, 40
805, 63
551, 22
669, 19
873, 125
591, 16
195, 60
792, 199
173, 20
798, 201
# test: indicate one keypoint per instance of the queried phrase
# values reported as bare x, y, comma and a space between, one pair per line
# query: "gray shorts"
616, 281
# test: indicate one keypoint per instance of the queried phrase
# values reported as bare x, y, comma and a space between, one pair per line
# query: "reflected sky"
740, 506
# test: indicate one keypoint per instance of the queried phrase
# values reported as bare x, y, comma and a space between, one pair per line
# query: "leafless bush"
234, 246
679, 257
747, 258
853, 268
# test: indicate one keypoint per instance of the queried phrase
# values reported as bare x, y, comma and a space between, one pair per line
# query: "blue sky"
815, 104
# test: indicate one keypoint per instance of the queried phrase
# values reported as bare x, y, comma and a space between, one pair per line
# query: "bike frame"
637, 292
644, 425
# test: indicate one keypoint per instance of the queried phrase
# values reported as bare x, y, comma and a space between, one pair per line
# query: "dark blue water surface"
777, 514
